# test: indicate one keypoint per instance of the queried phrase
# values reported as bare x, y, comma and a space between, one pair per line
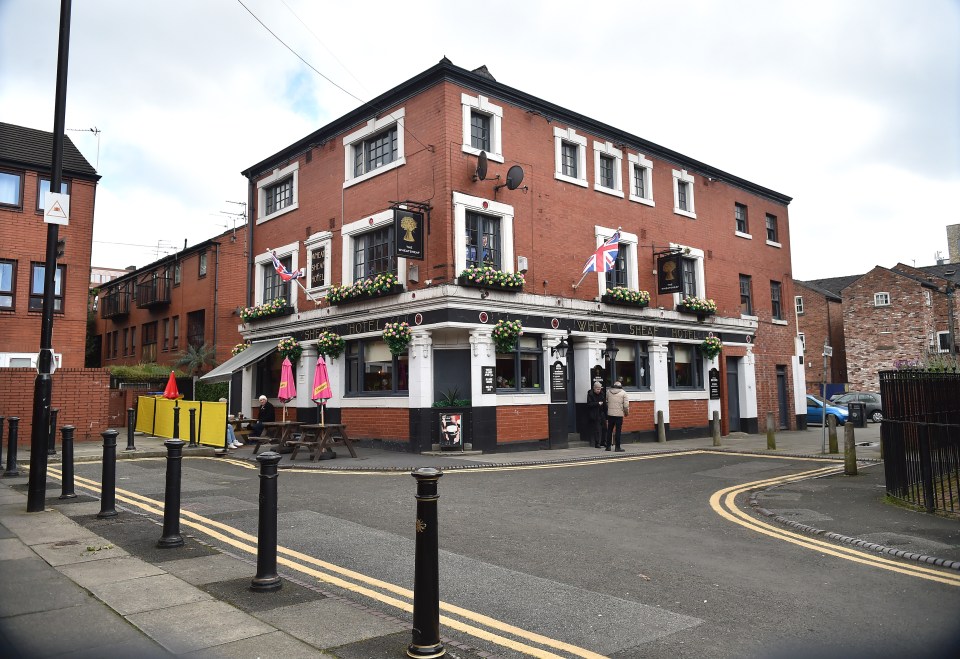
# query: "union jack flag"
604, 259
285, 274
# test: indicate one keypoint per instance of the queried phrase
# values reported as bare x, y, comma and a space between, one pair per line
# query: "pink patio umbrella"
321, 387
288, 390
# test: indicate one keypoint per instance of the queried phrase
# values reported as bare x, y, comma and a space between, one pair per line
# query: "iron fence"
921, 437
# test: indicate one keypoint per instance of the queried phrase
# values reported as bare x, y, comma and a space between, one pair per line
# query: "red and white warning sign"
56, 208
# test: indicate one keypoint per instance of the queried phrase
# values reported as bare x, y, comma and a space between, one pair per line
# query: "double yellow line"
375, 589
724, 504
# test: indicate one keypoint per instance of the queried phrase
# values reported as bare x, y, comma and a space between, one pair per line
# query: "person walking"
618, 406
596, 404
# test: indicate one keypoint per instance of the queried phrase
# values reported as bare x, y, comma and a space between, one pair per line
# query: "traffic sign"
56, 208
828, 351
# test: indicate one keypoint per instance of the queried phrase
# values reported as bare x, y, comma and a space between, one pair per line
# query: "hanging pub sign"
408, 228
669, 276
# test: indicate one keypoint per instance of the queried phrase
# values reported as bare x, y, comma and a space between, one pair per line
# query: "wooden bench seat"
260, 441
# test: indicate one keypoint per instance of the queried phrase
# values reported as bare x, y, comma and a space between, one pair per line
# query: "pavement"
62, 579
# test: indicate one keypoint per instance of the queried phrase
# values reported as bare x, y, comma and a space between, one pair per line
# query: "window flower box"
697, 305
626, 298
491, 279
367, 289
272, 309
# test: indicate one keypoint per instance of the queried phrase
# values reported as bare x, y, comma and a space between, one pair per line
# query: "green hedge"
211, 391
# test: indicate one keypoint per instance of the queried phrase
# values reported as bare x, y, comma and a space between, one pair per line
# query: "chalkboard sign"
489, 382
558, 382
714, 384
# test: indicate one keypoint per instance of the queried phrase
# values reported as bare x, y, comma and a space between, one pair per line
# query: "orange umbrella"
171, 391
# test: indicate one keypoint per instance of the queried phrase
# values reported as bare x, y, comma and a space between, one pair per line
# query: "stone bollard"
771, 433
193, 427
66, 452
108, 485
849, 450
426, 580
716, 428
267, 579
131, 424
171, 496
661, 428
14, 423
832, 432
52, 433
176, 420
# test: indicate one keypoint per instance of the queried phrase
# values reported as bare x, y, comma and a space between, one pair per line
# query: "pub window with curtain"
522, 369
373, 369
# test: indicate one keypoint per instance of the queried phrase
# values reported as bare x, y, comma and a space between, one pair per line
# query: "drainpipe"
216, 293
250, 224
951, 287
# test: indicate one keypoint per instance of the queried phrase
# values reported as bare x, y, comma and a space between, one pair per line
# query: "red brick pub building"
344, 204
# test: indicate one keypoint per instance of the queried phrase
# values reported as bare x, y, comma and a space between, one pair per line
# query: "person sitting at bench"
266, 414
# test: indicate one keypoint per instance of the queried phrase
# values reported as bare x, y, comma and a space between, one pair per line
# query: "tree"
195, 358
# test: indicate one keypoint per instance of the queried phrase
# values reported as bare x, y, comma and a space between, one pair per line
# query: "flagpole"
580, 281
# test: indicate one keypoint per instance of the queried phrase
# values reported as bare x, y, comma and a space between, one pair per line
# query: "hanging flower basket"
240, 347
330, 344
697, 305
711, 346
383, 284
290, 349
487, 277
505, 334
626, 297
277, 307
397, 337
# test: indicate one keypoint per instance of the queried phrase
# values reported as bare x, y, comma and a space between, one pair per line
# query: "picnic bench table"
319, 437
276, 432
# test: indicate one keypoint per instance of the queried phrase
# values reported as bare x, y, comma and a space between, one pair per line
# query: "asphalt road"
624, 558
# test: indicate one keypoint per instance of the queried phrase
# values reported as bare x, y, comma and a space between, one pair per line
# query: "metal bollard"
131, 423
52, 433
771, 433
661, 429
14, 423
193, 427
832, 432
1, 439
716, 428
267, 579
171, 496
176, 421
108, 485
849, 450
66, 451
426, 581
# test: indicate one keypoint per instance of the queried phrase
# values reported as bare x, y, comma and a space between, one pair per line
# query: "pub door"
733, 395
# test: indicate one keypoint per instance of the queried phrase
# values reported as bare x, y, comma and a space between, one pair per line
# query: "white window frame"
938, 343
293, 169
682, 176
349, 234
561, 135
463, 203
483, 105
373, 127
803, 341
265, 260
628, 241
773, 243
321, 240
878, 299
927, 298
697, 255
607, 149
638, 161
798, 304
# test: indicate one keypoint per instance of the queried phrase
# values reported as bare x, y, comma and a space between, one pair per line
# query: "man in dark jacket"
265, 414
596, 404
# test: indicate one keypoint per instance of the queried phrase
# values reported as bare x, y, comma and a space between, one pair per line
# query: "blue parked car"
815, 411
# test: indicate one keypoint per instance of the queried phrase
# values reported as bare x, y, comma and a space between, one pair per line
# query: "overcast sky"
850, 107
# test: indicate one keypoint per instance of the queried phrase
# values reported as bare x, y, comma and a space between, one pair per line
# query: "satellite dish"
514, 177
481, 167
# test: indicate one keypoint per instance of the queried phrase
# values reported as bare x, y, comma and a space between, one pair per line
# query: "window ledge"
687, 393
740, 234
678, 211
642, 200
746, 316
379, 170
286, 209
569, 179
777, 321
609, 191
773, 244
496, 157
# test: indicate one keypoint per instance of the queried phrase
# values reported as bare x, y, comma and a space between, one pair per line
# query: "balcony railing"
153, 293
114, 304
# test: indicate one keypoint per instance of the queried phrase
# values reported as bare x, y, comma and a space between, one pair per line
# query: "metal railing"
115, 303
921, 438
153, 292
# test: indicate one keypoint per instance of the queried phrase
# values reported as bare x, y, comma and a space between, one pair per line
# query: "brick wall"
822, 316
519, 423
81, 394
392, 424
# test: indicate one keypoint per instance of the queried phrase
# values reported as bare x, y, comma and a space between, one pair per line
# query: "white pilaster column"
712, 405
305, 370
420, 353
659, 380
587, 353
799, 380
482, 353
246, 392
748, 386
336, 372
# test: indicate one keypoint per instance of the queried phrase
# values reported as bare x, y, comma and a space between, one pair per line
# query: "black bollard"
131, 422
1, 439
171, 496
108, 485
11, 471
426, 580
66, 452
193, 427
176, 421
267, 579
52, 433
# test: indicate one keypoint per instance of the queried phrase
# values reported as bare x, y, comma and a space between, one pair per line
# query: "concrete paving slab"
276, 644
67, 552
237, 592
330, 623
142, 648
78, 508
109, 570
12, 549
395, 645
190, 627
208, 569
6, 533
30, 585
147, 594
43, 527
